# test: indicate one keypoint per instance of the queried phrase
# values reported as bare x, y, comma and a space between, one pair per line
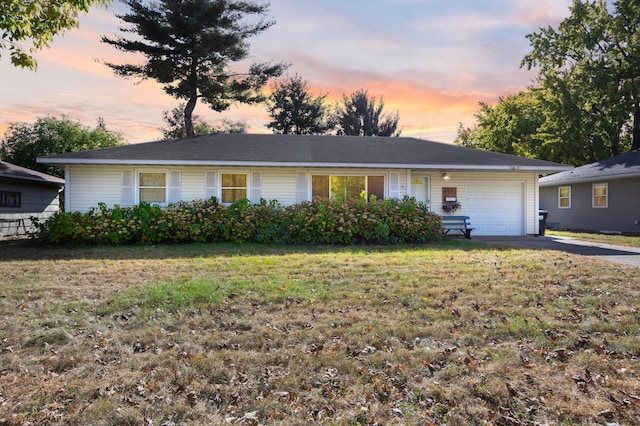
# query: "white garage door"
496, 208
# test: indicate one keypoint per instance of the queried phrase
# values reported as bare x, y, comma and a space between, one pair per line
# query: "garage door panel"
496, 208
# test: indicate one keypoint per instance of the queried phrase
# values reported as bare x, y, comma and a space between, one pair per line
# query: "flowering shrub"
320, 221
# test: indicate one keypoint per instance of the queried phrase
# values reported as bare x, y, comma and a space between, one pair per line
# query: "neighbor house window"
152, 187
600, 195
234, 187
10, 199
346, 187
564, 197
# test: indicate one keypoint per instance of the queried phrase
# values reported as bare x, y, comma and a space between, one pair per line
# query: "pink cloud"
434, 68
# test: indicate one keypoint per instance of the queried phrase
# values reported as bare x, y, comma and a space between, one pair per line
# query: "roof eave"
451, 166
33, 179
589, 179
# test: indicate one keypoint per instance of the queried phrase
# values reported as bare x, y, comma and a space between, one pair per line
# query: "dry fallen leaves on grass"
453, 334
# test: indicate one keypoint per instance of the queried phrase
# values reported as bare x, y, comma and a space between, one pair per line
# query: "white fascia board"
300, 164
589, 179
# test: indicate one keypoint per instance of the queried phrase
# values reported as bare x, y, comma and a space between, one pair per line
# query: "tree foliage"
28, 26
175, 124
589, 70
294, 110
360, 115
584, 105
189, 47
24, 142
510, 126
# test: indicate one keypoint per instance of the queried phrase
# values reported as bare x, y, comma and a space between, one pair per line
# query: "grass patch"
245, 334
171, 297
202, 292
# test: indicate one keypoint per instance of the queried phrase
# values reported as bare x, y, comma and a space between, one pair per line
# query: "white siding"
279, 184
94, 184
193, 183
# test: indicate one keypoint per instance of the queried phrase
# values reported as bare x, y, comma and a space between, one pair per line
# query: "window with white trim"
152, 187
564, 197
10, 199
234, 187
343, 188
600, 195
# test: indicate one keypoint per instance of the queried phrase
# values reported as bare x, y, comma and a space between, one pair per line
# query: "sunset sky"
432, 60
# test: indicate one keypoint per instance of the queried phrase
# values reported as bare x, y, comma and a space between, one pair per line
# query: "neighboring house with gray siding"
499, 192
25, 193
599, 197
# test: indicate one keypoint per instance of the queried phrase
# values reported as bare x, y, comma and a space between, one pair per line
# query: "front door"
420, 190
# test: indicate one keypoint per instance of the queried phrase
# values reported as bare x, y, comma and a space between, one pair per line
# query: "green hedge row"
318, 222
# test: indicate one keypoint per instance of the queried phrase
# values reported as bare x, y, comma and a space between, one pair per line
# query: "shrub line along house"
498, 191
25, 193
600, 197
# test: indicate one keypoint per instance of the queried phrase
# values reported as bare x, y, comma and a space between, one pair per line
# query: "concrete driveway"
619, 254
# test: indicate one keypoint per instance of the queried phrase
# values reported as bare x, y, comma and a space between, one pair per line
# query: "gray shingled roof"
621, 166
11, 171
304, 151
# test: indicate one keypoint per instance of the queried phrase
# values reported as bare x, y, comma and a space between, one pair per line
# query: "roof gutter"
603, 178
33, 179
514, 168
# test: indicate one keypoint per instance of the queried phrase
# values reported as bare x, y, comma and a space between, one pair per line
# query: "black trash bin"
542, 221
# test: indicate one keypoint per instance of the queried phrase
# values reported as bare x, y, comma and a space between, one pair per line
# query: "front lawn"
210, 334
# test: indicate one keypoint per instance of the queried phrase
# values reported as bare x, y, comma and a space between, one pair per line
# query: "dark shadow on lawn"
26, 249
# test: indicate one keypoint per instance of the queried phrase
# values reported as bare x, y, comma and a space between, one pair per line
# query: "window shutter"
175, 187
301, 188
128, 188
256, 187
394, 185
210, 185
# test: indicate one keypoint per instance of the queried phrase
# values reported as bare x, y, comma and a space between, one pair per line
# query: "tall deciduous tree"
28, 26
510, 126
24, 142
590, 68
189, 47
294, 110
360, 115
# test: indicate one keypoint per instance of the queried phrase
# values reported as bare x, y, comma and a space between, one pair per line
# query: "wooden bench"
457, 223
